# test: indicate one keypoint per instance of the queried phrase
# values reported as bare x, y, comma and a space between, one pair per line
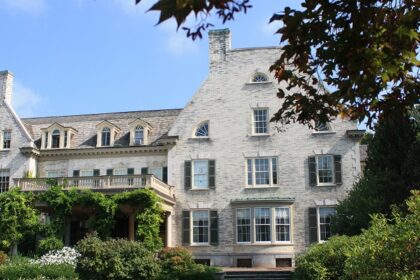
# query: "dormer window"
106, 137
259, 78
139, 135
202, 130
55, 138
139, 132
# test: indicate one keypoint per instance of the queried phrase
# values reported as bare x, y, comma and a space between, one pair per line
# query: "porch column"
131, 230
168, 229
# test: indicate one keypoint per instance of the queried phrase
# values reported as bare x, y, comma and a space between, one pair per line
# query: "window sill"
200, 245
259, 83
199, 138
5, 150
327, 185
265, 244
196, 189
262, 187
323, 132
259, 135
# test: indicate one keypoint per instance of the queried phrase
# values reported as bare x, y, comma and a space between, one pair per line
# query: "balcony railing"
117, 182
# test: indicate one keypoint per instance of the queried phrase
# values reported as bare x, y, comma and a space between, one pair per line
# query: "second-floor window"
7, 138
325, 170
106, 137
4, 180
200, 174
139, 135
55, 139
260, 123
262, 171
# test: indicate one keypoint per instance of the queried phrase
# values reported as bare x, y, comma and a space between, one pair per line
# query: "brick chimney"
6, 85
219, 43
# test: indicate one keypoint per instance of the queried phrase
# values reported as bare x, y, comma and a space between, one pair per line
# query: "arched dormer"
202, 130
139, 132
57, 136
106, 134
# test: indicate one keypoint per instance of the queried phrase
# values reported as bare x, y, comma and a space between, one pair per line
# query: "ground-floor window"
4, 180
324, 222
200, 226
263, 225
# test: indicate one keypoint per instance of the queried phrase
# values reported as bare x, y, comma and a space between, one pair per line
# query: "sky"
91, 56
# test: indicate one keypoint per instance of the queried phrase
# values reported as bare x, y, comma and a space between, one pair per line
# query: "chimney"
6, 85
219, 43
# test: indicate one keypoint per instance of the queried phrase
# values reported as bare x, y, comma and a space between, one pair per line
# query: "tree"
363, 51
392, 171
17, 218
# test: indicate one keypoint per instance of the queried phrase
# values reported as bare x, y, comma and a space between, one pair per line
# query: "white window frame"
86, 171
57, 172
260, 82
2, 139
289, 225
5, 184
270, 225
53, 135
254, 133
109, 131
198, 127
250, 226
271, 172
332, 170
192, 227
319, 222
139, 130
193, 186
120, 170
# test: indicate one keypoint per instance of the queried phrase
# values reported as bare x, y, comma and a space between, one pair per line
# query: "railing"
96, 182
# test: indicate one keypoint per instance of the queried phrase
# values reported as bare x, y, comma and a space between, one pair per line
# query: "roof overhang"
355, 133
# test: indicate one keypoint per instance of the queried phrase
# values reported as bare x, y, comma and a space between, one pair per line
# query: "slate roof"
160, 120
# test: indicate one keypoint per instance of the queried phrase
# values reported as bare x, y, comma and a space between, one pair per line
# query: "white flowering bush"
66, 255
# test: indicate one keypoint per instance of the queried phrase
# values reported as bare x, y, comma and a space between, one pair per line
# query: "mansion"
236, 190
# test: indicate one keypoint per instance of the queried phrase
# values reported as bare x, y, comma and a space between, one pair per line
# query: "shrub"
66, 255
49, 244
178, 264
22, 268
3, 257
115, 259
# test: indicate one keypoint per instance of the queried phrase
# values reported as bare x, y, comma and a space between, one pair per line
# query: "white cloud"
25, 101
24, 6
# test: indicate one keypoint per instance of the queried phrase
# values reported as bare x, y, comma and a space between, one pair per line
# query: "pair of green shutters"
188, 174
312, 162
186, 227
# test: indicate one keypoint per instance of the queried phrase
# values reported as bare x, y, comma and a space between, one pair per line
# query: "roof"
160, 120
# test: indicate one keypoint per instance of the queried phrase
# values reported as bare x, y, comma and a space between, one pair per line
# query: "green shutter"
144, 170
212, 174
312, 171
214, 228
96, 172
130, 171
76, 173
165, 174
110, 172
186, 228
313, 225
187, 175
337, 170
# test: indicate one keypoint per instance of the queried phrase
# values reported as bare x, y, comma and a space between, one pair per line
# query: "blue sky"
92, 56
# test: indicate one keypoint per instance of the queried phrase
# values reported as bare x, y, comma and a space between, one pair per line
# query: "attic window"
55, 139
202, 130
259, 78
139, 135
106, 137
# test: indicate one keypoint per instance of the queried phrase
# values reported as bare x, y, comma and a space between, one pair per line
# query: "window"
120, 171
55, 139
325, 214
106, 137
282, 224
200, 226
262, 172
4, 180
201, 175
259, 78
262, 225
46, 140
7, 137
66, 134
86, 173
243, 225
202, 130
260, 121
139, 135
53, 174
321, 126
325, 169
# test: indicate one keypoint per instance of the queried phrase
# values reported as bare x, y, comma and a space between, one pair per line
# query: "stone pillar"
131, 227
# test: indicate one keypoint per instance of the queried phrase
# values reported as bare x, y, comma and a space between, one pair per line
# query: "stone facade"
226, 103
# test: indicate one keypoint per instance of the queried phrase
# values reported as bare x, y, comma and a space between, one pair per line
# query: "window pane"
120, 171
262, 171
139, 135
7, 135
262, 224
250, 172
260, 121
4, 180
325, 215
274, 168
85, 173
55, 136
243, 223
200, 226
282, 224
325, 169
201, 177
202, 131
106, 137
